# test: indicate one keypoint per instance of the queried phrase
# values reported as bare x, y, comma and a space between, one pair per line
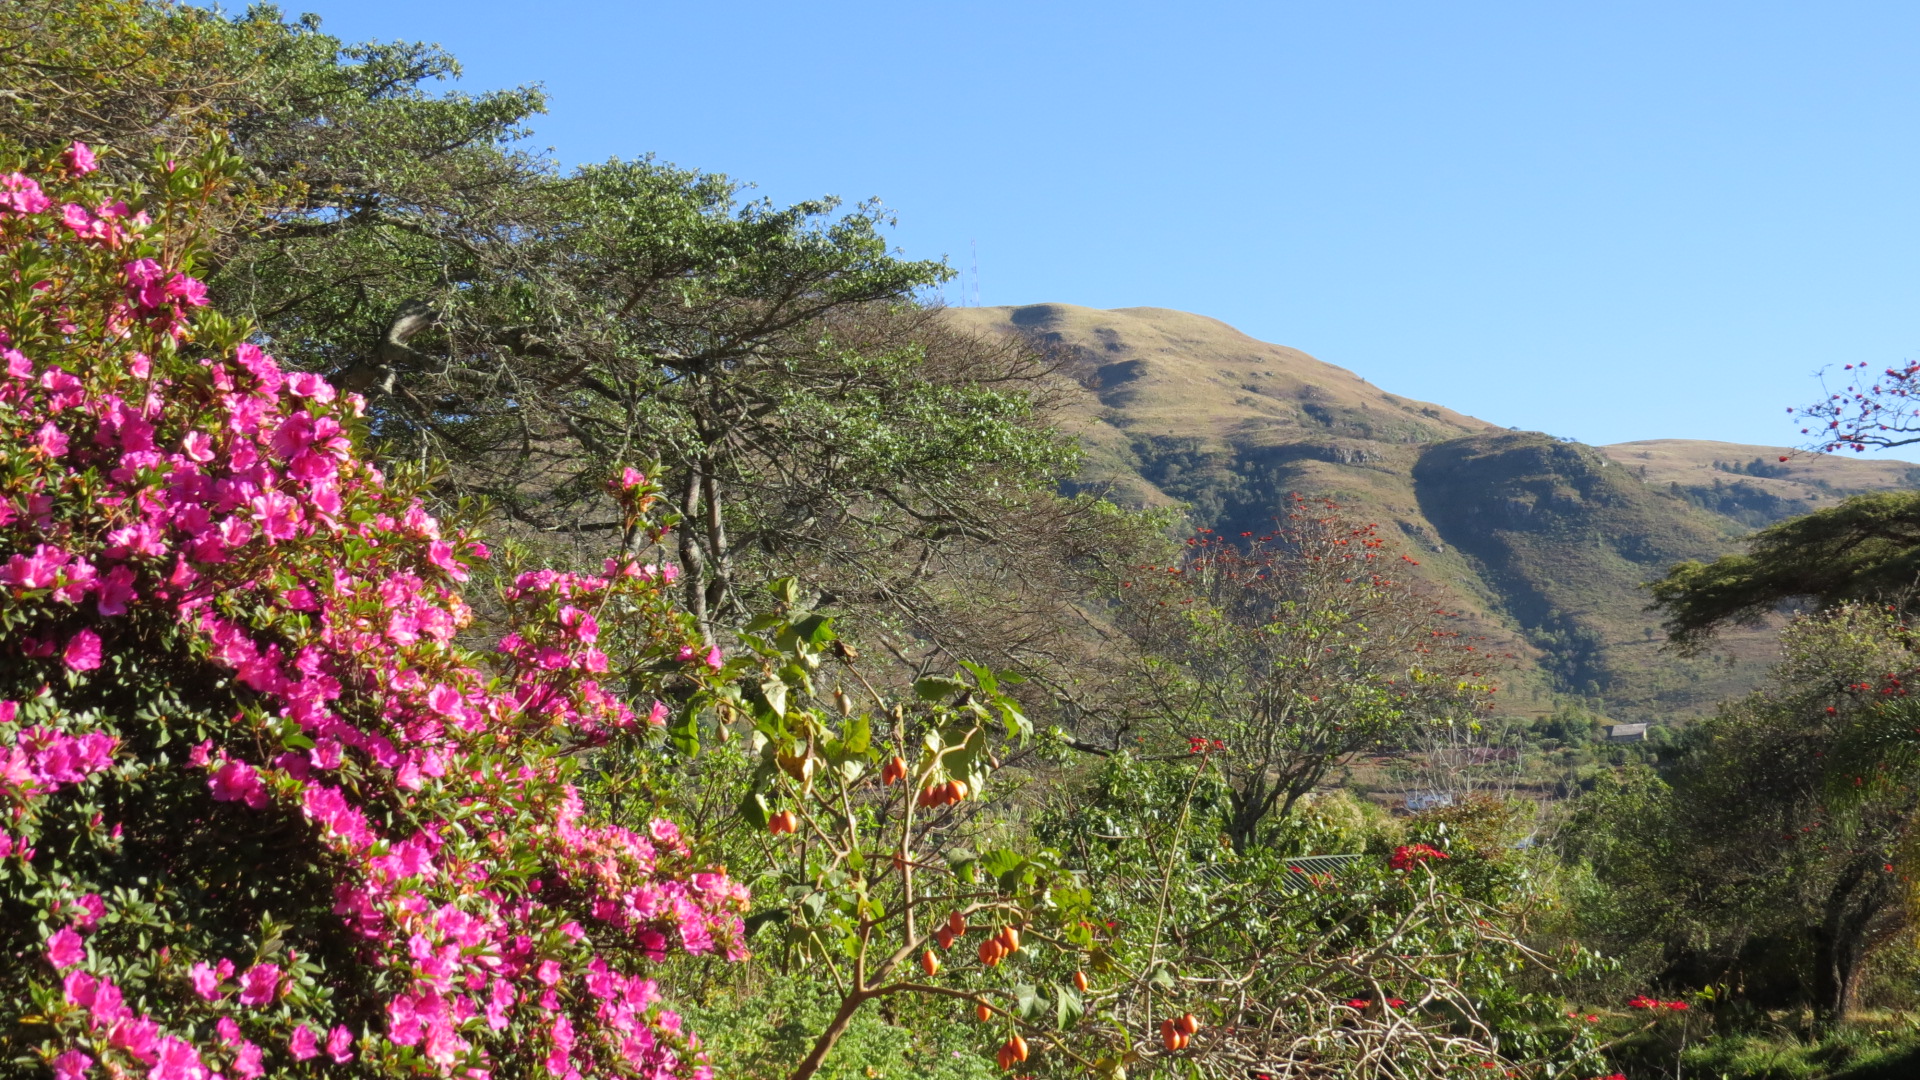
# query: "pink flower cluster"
37, 760
224, 496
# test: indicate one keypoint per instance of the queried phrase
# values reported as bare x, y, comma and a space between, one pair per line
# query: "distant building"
1626, 733
1421, 801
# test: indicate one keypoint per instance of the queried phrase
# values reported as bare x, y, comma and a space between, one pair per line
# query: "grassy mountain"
1544, 541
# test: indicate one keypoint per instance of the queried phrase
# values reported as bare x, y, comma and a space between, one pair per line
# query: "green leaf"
754, 810
815, 630
786, 590
1068, 1006
939, 688
858, 735
1002, 861
774, 693
1027, 1001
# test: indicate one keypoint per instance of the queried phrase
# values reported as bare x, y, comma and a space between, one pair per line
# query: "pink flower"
65, 949
205, 982
444, 700
176, 1059
73, 1064
440, 554
83, 651
79, 158
257, 986
197, 445
114, 591
90, 909
22, 195
631, 478
307, 385
237, 781
246, 1061
278, 514
80, 988
189, 291
340, 1045
143, 282
713, 658
303, 1044
50, 440
137, 1038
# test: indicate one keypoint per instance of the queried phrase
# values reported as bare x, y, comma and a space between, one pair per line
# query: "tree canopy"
1866, 548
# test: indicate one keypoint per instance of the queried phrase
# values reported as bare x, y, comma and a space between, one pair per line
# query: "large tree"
519, 328
1775, 836
1868, 547
1285, 655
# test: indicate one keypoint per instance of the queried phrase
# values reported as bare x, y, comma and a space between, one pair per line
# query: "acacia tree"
261, 810
1866, 548
1285, 655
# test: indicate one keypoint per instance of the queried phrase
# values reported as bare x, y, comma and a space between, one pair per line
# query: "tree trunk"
824, 1044
1840, 943
693, 564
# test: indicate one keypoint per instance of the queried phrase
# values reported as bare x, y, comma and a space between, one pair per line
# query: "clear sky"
1610, 221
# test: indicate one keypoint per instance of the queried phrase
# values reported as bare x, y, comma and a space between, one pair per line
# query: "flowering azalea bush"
262, 807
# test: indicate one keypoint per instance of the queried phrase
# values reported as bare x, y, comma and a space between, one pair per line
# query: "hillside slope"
1543, 541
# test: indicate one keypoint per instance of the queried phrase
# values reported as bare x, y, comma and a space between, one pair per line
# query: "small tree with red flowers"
1291, 652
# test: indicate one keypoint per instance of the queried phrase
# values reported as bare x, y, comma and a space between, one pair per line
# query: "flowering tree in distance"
1286, 654
259, 810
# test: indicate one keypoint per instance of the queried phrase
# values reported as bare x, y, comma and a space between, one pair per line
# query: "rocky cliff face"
1545, 542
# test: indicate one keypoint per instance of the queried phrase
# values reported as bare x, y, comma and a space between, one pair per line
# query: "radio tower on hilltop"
976, 273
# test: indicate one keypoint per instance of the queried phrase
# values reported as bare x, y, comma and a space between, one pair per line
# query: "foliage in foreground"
263, 810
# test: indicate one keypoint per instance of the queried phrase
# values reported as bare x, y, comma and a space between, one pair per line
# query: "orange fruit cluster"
1000, 946
942, 794
894, 771
1174, 1033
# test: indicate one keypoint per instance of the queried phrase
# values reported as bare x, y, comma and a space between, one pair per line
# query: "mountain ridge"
1543, 540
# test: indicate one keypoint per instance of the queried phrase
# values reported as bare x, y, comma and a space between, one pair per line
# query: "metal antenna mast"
976, 273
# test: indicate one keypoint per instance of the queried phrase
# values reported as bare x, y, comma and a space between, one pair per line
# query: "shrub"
263, 810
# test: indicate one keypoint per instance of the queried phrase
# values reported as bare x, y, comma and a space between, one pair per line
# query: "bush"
264, 811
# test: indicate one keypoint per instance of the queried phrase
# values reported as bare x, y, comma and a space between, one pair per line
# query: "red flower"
1406, 856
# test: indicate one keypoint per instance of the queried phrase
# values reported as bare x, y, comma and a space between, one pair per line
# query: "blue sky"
1606, 221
